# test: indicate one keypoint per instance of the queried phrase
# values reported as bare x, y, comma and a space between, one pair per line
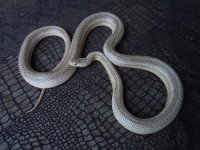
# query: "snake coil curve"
71, 60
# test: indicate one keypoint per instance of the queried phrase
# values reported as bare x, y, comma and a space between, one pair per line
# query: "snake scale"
71, 60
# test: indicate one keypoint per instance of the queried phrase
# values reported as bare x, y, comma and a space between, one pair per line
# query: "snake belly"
71, 60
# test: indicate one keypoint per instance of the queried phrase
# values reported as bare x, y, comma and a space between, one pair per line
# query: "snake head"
73, 62
79, 62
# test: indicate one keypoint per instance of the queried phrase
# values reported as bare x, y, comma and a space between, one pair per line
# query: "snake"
109, 58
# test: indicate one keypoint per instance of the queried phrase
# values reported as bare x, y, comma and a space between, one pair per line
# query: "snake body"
71, 60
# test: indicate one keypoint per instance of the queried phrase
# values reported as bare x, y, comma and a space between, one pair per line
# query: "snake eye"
73, 62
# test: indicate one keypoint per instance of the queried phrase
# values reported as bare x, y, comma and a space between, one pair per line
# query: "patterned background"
77, 114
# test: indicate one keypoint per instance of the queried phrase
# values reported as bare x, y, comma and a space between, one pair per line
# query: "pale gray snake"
71, 60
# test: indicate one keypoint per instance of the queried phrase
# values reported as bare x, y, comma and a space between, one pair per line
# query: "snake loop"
61, 73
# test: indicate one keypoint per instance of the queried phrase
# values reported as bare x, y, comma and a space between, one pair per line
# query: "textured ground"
77, 114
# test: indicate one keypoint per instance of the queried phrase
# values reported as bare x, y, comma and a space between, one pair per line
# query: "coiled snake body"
71, 60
